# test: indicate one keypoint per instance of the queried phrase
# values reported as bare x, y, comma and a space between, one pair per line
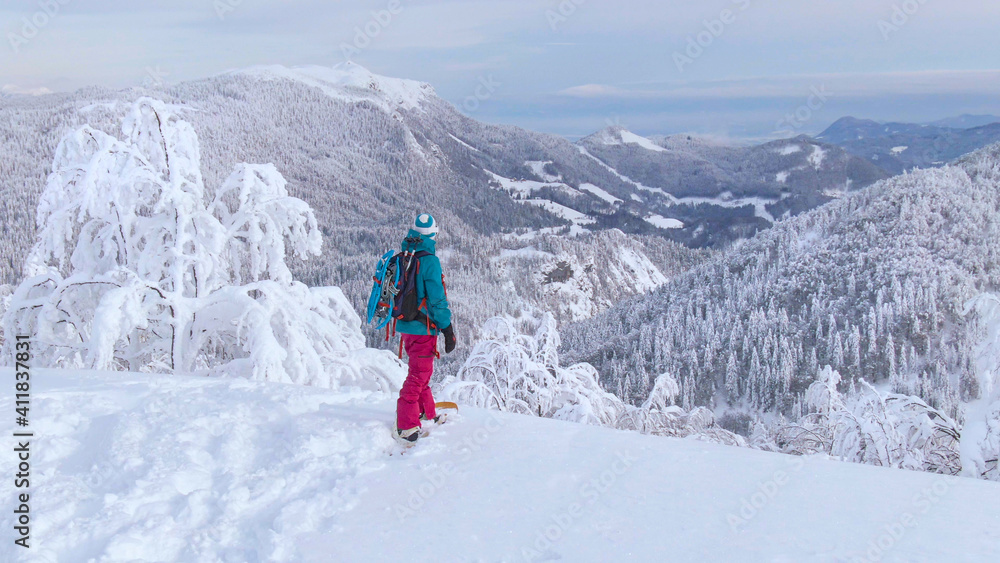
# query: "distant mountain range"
875, 283
367, 151
898, 147
721, 193
966, 121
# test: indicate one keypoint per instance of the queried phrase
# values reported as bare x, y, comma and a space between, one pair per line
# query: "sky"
737, 69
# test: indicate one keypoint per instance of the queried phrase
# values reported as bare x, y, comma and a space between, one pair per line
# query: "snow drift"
172, 468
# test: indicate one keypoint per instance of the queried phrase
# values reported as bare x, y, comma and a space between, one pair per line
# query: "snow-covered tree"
138, 266
868, 426
520, 373
516, 369
981, 433
876, 284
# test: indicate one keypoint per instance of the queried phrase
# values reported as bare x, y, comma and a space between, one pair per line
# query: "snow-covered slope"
143, 467
350, 82
886, 286
717, 192
366, 152
577, 278
618, 136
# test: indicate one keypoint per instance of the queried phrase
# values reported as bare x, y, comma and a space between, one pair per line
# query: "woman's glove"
449, 338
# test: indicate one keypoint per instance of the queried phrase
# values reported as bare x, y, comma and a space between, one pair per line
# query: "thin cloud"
601, 58
15, 89
599, 91
947, 82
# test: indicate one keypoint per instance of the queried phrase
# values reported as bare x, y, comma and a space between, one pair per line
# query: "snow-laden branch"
138, 266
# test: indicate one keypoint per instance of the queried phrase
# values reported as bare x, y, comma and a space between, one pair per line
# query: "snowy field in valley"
135, 467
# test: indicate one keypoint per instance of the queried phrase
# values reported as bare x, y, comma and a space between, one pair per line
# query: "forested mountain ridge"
366, 153
897, 147
723, 193
882, 285
367, 150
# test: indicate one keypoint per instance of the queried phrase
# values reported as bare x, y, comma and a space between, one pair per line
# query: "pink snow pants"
415, 397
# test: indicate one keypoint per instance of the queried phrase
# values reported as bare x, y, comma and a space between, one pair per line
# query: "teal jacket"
430, 291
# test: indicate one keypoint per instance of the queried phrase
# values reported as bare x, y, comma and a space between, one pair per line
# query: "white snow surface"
899, 150
623, 136
522, 189
981, 433
664, 223
759, 204
350, 82
643, 274
463, 143
789, 150
631, 138
538, 168
141, 467
575, 296
558, 210
817, 156
600, 193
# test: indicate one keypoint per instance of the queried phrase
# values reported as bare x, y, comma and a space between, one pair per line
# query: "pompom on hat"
425, 225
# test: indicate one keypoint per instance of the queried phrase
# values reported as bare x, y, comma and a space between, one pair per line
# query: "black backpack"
406, 304
394, 293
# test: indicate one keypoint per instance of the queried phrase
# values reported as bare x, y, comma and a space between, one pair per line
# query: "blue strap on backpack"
381, 298
394, 291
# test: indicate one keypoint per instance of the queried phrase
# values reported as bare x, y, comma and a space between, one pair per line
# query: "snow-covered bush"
520, 373
6, 294
137, 266
987, 463
867, 426
660, 416
895, 431
512, 371
981, 431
